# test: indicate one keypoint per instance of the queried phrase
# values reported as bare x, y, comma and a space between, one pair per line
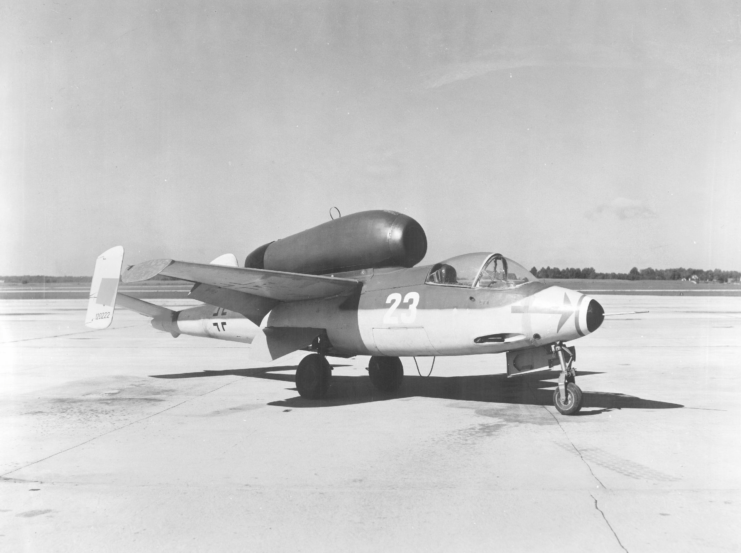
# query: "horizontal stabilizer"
143, 307
275, 285
274, 342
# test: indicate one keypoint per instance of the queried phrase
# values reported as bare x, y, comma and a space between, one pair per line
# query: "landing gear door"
530, 360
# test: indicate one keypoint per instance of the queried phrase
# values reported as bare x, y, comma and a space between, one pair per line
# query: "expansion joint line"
576, 449
596, 506
2, 476
555, 418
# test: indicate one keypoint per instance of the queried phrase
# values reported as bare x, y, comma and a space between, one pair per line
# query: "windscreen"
458, 271
501, 272
480, 270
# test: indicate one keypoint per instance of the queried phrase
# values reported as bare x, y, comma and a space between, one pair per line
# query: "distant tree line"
41, 279
715, 275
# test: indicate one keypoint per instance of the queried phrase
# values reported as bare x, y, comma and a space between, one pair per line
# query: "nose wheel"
567, 398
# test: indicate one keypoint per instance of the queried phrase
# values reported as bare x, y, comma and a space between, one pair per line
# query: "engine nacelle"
364, 240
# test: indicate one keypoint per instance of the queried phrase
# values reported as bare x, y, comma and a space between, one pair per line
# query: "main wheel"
313, 376
572, 404
386, 373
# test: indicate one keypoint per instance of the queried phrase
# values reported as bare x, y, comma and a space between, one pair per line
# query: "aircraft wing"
274, 285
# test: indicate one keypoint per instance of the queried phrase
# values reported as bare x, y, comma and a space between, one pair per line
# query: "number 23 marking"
412, 298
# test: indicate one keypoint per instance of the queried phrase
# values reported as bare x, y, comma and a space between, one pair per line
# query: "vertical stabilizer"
104, 289
226, 260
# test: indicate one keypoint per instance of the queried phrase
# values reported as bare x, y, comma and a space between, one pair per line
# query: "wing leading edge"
274, 285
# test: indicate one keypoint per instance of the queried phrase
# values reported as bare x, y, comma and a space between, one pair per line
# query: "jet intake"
364, 240
595, 315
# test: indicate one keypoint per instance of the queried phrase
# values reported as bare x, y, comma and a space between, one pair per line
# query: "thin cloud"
383, 165
509, 59
624, 209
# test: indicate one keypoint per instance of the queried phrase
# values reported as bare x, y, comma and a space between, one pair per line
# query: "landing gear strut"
568, 397
386, 373
313, 376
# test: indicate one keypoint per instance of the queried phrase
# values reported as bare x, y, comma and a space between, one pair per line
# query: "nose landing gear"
567, 397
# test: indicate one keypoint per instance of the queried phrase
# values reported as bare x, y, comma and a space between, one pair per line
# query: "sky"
587, 134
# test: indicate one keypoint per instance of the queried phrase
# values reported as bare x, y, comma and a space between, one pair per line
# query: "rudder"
103, 291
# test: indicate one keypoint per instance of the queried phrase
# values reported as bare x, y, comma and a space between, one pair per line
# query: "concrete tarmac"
129, 440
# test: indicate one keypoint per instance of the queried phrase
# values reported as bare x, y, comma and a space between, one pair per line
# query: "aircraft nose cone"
595, 315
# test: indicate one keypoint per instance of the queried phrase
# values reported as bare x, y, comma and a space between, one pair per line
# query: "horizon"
423, 264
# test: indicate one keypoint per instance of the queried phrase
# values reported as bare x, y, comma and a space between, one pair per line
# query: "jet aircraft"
351, 287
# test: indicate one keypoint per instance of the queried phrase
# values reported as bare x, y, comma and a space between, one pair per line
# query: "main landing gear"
568, 397
313, 376
386, 373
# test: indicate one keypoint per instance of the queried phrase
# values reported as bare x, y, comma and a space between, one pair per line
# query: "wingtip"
144, 271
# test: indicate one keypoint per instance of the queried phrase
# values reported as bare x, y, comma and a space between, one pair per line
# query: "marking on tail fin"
107, 292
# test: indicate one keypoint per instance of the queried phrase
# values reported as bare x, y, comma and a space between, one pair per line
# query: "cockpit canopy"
479, 270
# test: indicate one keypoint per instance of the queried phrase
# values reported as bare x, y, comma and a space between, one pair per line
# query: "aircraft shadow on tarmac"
535, 389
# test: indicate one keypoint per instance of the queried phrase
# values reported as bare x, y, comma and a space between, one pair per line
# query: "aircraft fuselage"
397, 314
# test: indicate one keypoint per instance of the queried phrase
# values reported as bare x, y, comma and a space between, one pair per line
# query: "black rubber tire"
386, 373
572, 405
313, 376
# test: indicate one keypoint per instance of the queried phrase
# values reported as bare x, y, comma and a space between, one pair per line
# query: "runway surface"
130, 440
